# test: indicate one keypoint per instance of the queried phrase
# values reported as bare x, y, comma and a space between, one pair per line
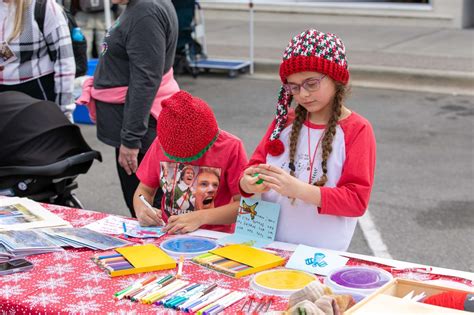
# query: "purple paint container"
361, 280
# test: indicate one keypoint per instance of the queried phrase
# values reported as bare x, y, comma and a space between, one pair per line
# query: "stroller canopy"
35, 132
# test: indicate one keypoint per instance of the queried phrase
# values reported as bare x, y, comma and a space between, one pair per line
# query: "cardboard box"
143, 258
388, 300
253, 259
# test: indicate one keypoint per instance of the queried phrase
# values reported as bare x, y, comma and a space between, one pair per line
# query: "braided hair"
328, 136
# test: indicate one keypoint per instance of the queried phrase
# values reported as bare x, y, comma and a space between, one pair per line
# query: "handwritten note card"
315, 260
256, 223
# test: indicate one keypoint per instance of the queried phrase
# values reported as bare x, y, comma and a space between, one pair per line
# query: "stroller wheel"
69, 200
244, 70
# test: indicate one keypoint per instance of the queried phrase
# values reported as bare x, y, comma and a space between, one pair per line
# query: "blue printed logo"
317, 260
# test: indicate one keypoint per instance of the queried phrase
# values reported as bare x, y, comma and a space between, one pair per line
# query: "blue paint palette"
188, 246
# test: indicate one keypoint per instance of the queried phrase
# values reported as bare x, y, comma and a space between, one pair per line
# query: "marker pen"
149, 206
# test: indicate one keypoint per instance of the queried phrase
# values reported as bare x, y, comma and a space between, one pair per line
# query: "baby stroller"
41, 152
188, 50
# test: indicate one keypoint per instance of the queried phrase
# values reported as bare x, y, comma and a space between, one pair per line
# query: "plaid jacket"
31, 49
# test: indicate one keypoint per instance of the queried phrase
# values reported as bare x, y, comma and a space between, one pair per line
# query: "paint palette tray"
358, 279
281, 282
188, 246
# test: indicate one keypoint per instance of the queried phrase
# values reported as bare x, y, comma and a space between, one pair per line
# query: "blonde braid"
21, 7
330, 132
301, 113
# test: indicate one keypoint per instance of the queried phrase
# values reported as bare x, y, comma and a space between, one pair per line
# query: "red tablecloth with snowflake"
69, 282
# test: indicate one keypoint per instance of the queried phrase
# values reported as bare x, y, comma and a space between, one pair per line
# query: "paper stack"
23, 213
25, 243
82, 237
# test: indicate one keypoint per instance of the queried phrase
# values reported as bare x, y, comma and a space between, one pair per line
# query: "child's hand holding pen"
148, 215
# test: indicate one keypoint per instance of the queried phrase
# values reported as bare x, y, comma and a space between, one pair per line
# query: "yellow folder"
257, 259
144, 258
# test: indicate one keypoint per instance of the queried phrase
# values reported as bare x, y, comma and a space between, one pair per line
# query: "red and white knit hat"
311, 50
187, 127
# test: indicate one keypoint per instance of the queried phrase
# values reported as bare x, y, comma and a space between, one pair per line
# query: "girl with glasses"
317, 161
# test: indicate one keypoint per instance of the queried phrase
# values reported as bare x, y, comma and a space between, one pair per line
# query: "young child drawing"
198, 166
318, 160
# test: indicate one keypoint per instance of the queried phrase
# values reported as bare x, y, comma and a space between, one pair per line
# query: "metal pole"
108, 19
251, 36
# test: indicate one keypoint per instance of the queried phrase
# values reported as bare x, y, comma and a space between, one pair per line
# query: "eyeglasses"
310, 85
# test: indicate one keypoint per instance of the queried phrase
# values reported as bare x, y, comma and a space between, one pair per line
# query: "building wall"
439, 13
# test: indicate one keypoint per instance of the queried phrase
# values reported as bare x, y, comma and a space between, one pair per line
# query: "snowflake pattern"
7, 291
88, 291
81, 212
52, 283
36, 260
207, 272
15, 277
66, 255
125, 282
88, 264
125, 302
223, 283
83, 307
122, 312
94, 276
81, 221
60, 269
43, 299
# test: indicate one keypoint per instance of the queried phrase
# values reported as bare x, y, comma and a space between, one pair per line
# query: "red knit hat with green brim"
311, 50
187, 127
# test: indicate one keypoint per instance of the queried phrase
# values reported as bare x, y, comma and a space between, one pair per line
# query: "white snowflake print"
43, 299
186, 276
95, 276
65, 256
207, 272
60, 269
16, 277
248, 291
125, 302
88, 291
123, 312
82, 212
58, 211
89, 264
83, 307
36, 260
52, 283
223, 283
8, 291
128, 281
81, 221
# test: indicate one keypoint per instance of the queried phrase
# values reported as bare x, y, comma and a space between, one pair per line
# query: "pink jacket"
117, 95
